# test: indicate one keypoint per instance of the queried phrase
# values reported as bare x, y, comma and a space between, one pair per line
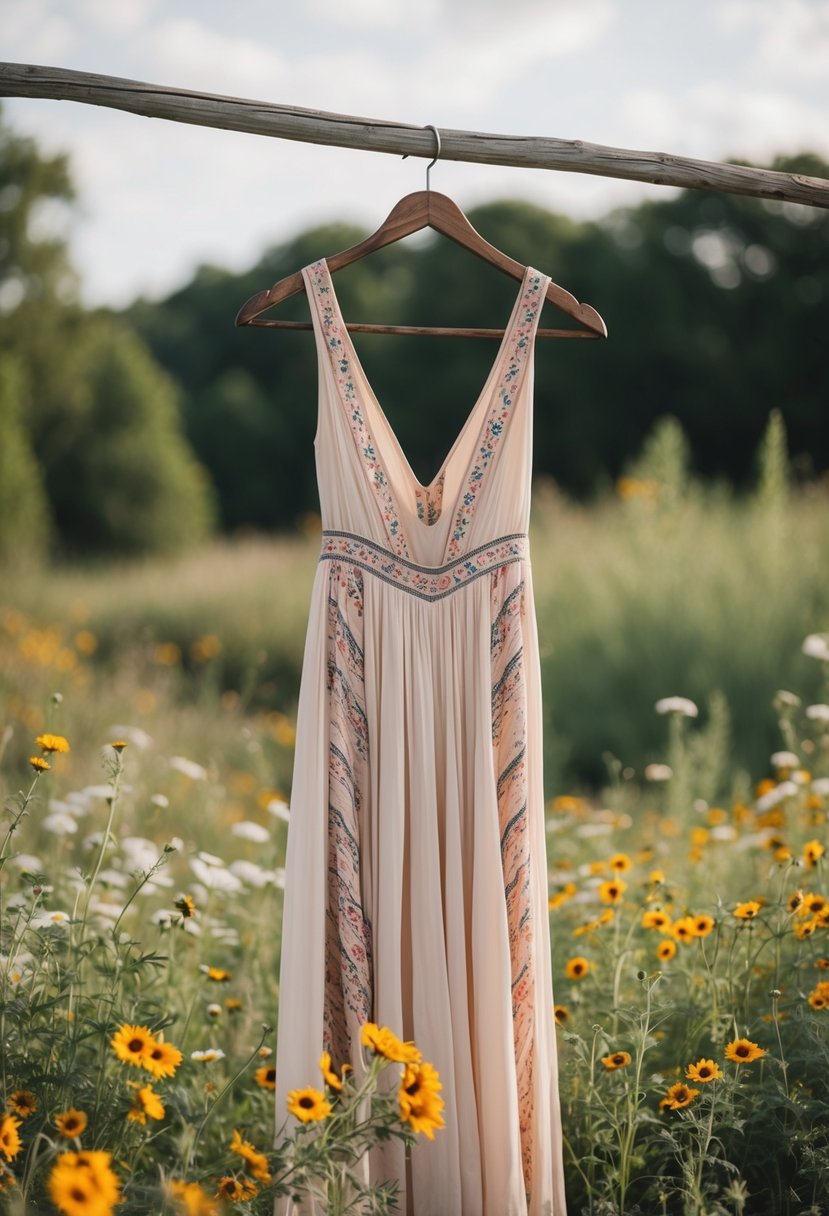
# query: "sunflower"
10, 1142
385, 1042
611, 892
309, 1104
192, 1198
256, 1161
132, 1044
619, 1059
704, 1071
679, 1095
39, 764
655, 918
561, 1014
161, 1059
146, 1105
794, 902
235, 1190
52, 743
620, 862
743, 1051
666, 949
83, 1184
265, 1077
576, 968
71, 1123
329, 1076
683, 929
812, 852
703, 924
418, 1098
818, 1000
814, 903
23, 1102
747, 910
218, 975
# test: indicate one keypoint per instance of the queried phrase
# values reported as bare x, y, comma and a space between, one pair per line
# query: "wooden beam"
403, 139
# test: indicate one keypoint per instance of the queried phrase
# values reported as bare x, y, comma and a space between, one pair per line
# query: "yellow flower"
71, 1123
256, 1161
657, 877
309, 1104
812, 852
743, 1051
10, 1142
52, 743
620, 862
795, 902
119, 744
805, 929
813, 902
23, 1102
683, 929
818, 1000
679, 1095
612, 891
192, 1198
329, 1076
161, 1059
146, 1105
233, 1004
265, 1077
384, 1042
235, 1190
186, 906
576, 968
666, 949
218, 975
561, 1014
39, 764
418, 1098
704, 1071
132, 1044
655, 918
83, 1184
703, 924
747, 910
619, 1059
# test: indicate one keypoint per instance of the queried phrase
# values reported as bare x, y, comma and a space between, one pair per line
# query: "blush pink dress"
416, 874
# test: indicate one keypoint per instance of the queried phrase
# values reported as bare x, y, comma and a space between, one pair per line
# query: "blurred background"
158, 507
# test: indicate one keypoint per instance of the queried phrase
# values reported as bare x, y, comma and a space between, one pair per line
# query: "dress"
416, 879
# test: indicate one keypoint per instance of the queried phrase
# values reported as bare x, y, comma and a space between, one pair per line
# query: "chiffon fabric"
416, 876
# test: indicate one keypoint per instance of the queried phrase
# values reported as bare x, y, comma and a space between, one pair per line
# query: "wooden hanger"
424, 209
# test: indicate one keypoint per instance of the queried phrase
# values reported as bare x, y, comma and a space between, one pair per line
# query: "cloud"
792, 35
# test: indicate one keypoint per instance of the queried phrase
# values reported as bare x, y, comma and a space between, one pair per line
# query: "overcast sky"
702, 78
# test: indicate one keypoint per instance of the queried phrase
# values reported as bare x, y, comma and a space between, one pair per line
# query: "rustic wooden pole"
403, 139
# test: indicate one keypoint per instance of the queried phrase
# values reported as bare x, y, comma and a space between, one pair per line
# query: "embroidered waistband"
427, 582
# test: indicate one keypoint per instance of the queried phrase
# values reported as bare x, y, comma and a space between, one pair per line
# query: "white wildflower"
214, 1010
210, 858
160, 800
784, 790
26, 861
658, 772
60, 824
216, 878
188, 767
785, 760
102, 791
113, 878
248, 830
279, 877
45, 919
783, 698
816, 646
279, 808
140, 853
211, 1053
818, 713
676, 705
820, 785
251, 873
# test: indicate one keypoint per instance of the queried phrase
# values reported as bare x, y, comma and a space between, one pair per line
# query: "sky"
703, 78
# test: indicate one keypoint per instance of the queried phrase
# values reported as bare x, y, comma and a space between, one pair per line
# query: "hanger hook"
429, 127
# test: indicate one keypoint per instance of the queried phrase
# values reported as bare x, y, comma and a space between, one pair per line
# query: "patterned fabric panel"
348, 955
509, 743
427, 582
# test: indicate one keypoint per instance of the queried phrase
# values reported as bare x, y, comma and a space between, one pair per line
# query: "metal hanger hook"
429, 127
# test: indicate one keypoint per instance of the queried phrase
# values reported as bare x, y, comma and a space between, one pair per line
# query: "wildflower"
162, 1059
747, 910
10, 1142
655, 918
679, 1095
249, 830
611, 892
52, 743
119, 744
676, 705
39, 764
805, 929
620, 862
658, 772
823, 963
418, 1098
576, 968
683, 929
71, 1123
329, 1076
208, 1055
256, 1161
618, 1059
131, 1044
233, 1004
818, 999
309, 1104
235, 1190
703, 924
23, 1102
703, 1071
812, 852
794, 901
657, 878
666, 949
146, 1105
193, 1198
83, 1184
814, 903
185, 905
196, 772
561, 1014
384, 1042
743, 1051
265, 1077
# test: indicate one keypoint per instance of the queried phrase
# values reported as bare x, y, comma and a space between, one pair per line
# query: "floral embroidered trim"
341, 367
426, 582
430, 501
521, 342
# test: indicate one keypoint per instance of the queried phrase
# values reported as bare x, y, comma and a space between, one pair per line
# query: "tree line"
144, 430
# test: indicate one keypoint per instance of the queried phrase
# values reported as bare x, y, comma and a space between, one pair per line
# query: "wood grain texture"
403, 139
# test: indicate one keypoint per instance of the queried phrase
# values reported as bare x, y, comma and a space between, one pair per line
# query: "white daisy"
188, 767
658, 772
677, 705
248, 830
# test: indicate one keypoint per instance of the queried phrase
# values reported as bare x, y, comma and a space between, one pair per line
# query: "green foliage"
25, 522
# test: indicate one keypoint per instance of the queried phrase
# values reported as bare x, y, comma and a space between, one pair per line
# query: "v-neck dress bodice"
416, 878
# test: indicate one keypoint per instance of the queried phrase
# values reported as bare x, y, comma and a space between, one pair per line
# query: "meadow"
145, 760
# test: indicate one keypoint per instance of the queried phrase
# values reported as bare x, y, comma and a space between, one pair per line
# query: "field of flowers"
145, 801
